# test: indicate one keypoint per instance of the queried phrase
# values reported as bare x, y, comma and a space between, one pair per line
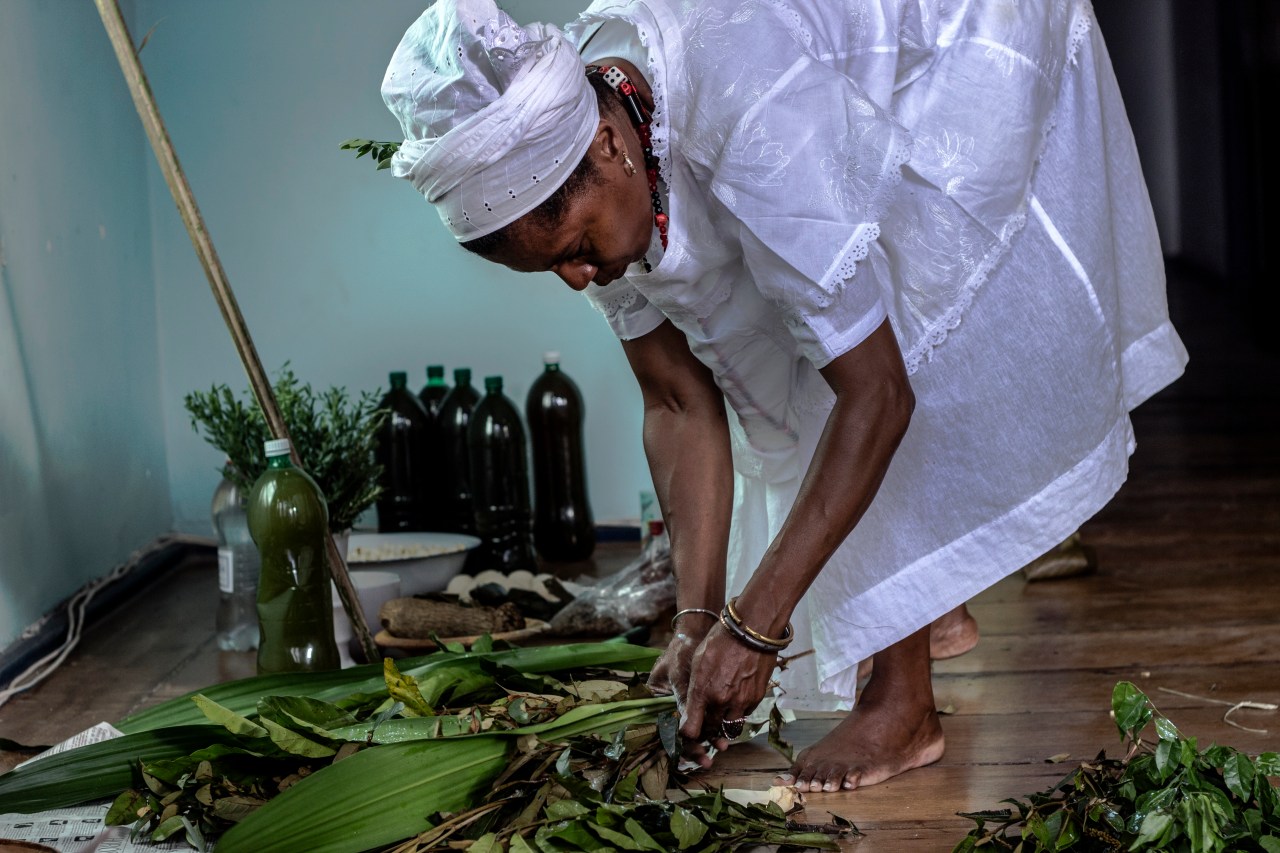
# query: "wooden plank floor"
1185, 598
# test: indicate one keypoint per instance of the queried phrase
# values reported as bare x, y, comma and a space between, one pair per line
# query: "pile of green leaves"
1168, 795
555, 748
705, 822
334, 436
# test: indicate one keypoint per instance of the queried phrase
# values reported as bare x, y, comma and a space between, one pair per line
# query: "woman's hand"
727, 680
670, 674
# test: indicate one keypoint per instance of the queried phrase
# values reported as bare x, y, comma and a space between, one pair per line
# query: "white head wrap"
495, 116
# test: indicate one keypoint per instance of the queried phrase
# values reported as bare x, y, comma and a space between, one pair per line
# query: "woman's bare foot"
952, 634
868, 747
894, 727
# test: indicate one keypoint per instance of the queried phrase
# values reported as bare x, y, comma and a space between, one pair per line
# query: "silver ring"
732, 729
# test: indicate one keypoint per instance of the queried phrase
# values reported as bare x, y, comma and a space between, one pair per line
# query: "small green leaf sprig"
333, 434
1167, 796
379, 152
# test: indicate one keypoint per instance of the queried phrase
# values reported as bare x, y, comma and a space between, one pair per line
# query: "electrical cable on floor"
76, 608
1234, 706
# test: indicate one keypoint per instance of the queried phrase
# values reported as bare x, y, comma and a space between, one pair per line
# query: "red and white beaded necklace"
640, 117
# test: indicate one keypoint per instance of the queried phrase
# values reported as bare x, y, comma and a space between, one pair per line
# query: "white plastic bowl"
425, 562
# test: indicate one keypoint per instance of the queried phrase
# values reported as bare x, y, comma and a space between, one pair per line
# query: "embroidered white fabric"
495, 116
964, 170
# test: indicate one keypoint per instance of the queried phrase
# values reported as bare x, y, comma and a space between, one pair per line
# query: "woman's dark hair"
553, 209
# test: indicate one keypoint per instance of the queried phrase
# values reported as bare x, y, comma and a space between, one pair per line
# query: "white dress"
968, 171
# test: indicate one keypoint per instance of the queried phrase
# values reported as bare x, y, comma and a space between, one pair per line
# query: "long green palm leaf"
386, 794
242, 696
99, 770
579, 720
373, 798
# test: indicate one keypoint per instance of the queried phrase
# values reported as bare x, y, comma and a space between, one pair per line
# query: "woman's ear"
609, 143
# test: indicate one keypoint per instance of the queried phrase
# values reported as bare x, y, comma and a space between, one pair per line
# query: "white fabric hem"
1014, 539
831, 345
1151, 363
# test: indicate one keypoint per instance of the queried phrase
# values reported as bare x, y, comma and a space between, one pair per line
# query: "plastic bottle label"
226, 570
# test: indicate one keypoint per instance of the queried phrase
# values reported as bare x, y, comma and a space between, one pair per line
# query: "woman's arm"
686, 441
873, 406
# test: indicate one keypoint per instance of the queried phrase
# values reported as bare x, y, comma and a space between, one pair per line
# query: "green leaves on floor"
1166, 795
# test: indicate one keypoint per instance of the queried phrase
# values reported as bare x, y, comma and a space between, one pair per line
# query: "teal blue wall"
341, 270
84, 479
107, 320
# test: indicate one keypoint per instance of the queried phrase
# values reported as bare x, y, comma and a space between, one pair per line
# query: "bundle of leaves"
555, 748
1165, 795
334, 437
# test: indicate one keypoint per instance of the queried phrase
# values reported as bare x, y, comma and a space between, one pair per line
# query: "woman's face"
604, 228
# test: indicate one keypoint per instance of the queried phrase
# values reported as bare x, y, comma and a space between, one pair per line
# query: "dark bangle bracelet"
736, 631
731, 610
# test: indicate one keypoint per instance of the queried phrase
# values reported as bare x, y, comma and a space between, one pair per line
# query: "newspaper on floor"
79, 829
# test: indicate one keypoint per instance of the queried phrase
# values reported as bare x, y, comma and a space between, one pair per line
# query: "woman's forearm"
686, 441
871, 413
688, 453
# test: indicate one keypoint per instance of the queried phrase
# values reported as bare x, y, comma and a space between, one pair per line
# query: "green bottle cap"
399, 379
435, 373
493, 384
462, 376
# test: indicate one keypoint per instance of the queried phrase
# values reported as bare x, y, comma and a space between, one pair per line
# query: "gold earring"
628, 165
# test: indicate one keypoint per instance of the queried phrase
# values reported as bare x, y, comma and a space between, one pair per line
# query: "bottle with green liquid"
289, 521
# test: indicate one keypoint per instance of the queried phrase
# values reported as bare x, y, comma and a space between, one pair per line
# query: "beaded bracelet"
680, 613
733, 623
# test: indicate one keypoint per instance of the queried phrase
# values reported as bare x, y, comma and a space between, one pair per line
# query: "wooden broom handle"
127, 56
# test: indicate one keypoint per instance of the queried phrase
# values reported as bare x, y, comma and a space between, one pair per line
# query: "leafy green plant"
333, 435
379, 152
1165, 795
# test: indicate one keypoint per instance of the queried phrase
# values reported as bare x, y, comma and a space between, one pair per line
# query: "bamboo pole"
167, 158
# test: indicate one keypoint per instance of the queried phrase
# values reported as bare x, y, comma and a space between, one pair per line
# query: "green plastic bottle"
432, 394
289, 522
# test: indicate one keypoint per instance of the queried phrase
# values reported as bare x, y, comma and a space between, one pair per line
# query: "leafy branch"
1168, 795
334, 437
380, 152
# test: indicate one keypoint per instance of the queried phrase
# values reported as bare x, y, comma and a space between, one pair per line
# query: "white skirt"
1021, 429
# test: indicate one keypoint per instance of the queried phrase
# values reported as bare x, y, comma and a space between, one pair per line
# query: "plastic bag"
637, 595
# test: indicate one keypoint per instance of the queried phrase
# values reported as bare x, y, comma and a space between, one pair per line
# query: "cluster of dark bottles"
456, 460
